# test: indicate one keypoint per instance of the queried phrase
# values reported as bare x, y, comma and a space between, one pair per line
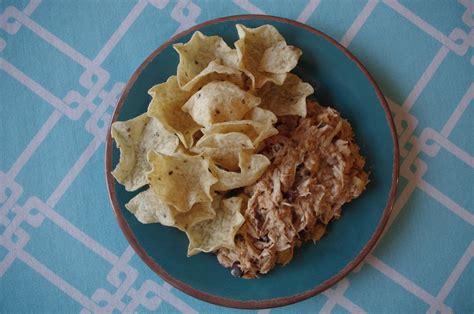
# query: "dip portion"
315, 168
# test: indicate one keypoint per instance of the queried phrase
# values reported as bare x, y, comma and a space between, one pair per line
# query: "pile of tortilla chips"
202, 132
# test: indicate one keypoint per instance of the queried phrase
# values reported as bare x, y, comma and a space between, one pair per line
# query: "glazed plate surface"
341, 82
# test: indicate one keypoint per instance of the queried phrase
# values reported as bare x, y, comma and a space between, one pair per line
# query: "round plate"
341, 82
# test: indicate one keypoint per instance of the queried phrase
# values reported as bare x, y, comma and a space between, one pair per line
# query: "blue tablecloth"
63, 65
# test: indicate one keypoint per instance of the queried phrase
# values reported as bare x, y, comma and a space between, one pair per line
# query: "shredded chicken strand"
316, 168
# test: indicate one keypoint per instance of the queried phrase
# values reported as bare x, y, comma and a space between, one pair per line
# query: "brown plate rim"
252, 304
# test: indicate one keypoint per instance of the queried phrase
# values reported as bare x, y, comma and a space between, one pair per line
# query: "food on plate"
315, 168
134, 138
234, 154
258, 58
165, 107
219, 101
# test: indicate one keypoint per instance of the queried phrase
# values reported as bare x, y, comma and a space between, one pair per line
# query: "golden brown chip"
219, 102
148, 208
166, 105
135, 138
181, 180
286, 99
280, 58
224, 149
257, 125
199, 212
251, 167
251, 50
210, 235
260, 115
215, 71
196, 54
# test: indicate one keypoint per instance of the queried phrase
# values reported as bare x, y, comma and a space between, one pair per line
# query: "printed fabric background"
63, 65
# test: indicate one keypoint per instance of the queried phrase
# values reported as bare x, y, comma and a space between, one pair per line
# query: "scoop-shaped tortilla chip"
257, 125
252, 166
210, 235
286, 99
166, 105
181, 180
224, 149
135, 138
215, 71
197, 53
148, 208
199, 212
251, 48
262, 116
218, 102
280, 58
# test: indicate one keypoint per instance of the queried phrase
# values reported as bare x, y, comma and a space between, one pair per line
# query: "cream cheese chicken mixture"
234, 155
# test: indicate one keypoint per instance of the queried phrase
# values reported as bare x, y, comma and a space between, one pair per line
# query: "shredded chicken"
316, 168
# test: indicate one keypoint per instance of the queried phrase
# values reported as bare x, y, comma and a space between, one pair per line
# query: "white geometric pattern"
131, 286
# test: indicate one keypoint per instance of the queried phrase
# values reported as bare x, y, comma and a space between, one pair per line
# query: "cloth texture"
63, 65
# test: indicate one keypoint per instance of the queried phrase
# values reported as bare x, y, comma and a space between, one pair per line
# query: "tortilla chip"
148, 208
286, 99
252, 166
257, 125
135, 138
166, 105
280, 58
215, 71
251, 48
181, 180
210, 235
197, 53
262, 116
219, 102
199, 212
224, 149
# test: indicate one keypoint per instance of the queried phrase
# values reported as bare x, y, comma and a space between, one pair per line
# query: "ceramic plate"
341, 82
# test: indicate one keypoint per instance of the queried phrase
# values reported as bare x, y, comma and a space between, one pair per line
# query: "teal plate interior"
341, 82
